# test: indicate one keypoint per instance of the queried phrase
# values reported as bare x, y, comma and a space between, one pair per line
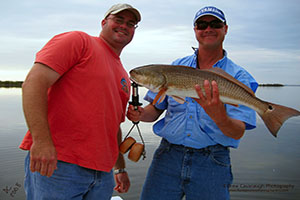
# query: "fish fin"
180, 100
235, 105
227, 76
161, 93
162, 97
276, 115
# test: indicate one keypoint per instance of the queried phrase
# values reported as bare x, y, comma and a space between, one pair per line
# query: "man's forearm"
120, 164
232, 128
151, 113
35, 109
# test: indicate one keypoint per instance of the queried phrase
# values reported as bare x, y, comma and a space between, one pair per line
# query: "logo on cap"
210, 10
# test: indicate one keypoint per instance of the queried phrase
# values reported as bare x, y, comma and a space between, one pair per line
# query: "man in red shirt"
74, 100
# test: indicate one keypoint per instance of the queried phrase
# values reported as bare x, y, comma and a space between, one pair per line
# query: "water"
263, 167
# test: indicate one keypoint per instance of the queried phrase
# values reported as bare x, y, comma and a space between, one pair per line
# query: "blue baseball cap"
210, 10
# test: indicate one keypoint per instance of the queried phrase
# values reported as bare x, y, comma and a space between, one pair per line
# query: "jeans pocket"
163, 147
221, 158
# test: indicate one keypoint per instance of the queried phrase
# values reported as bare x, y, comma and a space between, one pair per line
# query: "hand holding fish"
210, 101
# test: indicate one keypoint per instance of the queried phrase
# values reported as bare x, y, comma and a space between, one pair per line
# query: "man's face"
118, 30
210, 36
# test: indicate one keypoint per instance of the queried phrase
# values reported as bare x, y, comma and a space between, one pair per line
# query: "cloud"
263, 35
154, 46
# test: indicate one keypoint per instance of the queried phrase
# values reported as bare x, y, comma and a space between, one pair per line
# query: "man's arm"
35, 105
122, 179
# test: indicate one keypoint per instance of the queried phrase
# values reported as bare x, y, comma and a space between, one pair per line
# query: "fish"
179, 82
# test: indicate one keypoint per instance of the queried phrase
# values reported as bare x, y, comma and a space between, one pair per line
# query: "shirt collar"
217, 64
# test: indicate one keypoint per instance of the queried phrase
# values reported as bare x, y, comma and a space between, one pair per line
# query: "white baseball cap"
120, 7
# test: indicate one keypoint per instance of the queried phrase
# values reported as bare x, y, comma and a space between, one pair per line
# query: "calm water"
264, 167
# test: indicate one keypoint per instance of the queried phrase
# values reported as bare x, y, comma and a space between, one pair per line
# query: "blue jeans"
68, 182
178, 171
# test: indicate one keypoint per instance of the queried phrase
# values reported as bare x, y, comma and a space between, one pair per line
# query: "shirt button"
188, 135
191, 117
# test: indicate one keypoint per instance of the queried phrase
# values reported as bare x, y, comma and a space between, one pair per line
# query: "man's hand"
134, 115
210, 101
43, 158
122, 182
214, 107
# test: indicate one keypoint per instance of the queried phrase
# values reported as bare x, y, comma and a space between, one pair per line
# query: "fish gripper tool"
135, 102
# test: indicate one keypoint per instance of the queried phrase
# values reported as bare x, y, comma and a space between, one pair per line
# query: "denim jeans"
197, 174
68, 182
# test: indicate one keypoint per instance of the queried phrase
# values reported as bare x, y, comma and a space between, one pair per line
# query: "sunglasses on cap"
202, 25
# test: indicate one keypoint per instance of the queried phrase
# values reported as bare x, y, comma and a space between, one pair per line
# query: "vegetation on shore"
271, 85
11, 84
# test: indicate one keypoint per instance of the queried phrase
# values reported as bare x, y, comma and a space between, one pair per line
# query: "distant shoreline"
271, 85
18, 84
11, 84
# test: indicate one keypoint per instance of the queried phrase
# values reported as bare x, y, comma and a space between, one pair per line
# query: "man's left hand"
122, 182
210, 101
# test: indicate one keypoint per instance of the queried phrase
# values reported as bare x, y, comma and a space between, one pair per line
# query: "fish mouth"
132, 73
134, 76
133, 80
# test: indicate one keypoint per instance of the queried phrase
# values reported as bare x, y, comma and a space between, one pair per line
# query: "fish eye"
270, 107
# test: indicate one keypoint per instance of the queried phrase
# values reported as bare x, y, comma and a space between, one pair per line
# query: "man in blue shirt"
193, 158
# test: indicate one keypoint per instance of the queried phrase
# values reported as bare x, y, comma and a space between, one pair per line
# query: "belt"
191, 149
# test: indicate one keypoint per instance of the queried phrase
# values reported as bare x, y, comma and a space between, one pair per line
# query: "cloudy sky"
263, 36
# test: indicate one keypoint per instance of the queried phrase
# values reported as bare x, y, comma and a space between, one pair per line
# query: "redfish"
179, 82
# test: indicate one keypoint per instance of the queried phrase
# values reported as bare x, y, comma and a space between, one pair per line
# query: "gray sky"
263, 35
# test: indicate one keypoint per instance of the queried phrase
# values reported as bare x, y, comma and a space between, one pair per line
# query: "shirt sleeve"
62, 52
150, 96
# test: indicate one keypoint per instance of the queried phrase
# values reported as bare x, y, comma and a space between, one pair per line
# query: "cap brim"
133, 10
222, 20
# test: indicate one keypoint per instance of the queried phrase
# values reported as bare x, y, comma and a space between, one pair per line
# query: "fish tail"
276, 115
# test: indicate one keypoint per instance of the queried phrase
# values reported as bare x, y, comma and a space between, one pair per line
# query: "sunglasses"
202, 25
120, 21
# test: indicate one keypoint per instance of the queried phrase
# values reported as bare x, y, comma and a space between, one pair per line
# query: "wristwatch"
118, 171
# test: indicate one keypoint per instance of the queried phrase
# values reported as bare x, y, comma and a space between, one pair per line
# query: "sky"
263, 35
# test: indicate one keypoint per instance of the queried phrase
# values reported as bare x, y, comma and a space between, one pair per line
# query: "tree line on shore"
9, 84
